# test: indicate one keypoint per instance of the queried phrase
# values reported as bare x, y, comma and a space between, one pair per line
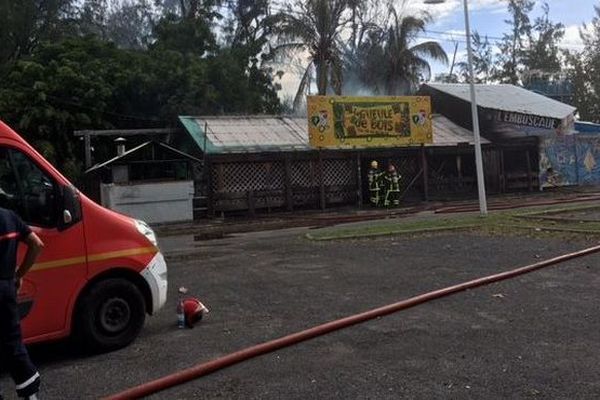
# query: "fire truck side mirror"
71, 207
67, 217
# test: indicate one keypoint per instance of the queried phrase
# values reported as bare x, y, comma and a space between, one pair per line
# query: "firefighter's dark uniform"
13, 354
374, 177
392, 189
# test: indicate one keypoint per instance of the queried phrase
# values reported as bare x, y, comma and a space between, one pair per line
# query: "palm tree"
315, 26
389, 63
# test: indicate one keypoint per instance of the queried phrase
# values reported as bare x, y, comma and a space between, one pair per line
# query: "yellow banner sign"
355, 122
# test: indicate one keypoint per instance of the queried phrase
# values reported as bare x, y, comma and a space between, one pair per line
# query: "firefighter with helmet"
391, 184
374, 177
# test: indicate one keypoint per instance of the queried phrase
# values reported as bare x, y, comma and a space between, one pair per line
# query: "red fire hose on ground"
206, 368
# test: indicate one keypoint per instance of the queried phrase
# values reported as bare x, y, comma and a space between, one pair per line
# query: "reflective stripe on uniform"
9, 236
28, 382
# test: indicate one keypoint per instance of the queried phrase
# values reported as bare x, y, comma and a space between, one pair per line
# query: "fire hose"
217, 364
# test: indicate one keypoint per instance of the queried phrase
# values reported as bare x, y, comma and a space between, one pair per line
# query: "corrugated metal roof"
508, 98
447, 133
248, 134
256, 134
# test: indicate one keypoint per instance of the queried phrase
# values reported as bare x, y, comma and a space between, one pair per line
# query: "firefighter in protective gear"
392, 187
374, 177
193, 310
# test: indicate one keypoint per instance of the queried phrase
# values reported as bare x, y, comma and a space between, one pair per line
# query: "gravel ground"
531, 337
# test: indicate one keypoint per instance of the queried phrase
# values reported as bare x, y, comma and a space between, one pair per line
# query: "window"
25, 189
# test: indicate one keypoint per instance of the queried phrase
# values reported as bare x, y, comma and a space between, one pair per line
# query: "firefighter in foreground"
391, 186
374, 177
13, 354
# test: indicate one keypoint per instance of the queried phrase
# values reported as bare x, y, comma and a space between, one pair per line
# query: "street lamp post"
477, 137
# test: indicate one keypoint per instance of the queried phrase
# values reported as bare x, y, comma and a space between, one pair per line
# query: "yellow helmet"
374, 164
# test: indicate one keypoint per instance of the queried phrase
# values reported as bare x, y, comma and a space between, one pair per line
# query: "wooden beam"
359, 186
529, 175
322, 196
88, 151
251, 203
210, 198
126, 132
289, 196
503, 175
424, 168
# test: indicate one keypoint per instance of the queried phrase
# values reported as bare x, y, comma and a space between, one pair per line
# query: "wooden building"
256, 163
517, 122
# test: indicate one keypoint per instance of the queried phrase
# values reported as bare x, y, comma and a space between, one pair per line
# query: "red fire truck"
100, 272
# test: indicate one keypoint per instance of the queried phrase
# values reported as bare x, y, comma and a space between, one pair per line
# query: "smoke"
353, 86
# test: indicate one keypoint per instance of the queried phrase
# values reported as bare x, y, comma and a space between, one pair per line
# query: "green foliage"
188, 35
25, 23
99, 74
389, 62
513, 47
59, 88
483, 60
316, 26
530, 52
583, 69
543, 55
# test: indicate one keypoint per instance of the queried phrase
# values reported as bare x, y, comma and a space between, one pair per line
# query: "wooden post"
459, 170
359, 186
88, 150
251, 203
576, 158
289, 195
205, 136
321, 182
529, 177
210, 198
503, 180
424, 167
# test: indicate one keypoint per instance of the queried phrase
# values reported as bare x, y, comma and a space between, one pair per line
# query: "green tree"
514, 45
583, 71
390, 63
543, 59
23, 24
59, 88
186, 35
93, 75
584, 96
249, 34
483, 60
130, 25
250, 24
544, 53
316, 26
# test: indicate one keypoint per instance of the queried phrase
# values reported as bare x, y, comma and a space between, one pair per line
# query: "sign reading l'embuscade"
527, 120
356, 122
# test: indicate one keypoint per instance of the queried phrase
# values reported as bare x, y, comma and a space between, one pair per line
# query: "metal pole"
478, 155
88, 150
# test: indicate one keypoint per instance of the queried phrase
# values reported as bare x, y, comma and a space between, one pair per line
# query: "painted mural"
588, 156
569, 160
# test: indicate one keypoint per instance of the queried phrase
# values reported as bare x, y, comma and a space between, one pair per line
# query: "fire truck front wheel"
111, 315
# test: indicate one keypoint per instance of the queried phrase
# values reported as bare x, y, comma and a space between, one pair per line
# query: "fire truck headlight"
145, 230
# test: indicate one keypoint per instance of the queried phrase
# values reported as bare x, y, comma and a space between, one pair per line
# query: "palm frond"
302, 86
432, 50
